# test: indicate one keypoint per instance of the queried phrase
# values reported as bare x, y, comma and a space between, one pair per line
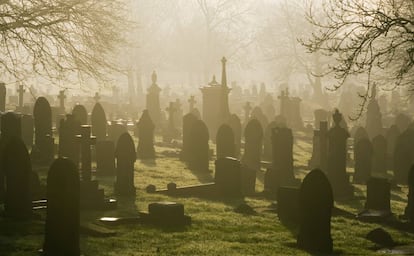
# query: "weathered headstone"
125, 159
378, 196
315, 207
403, 155
199, 148
392, 134
253, 145
188, 122
282, 156
146, 128
98, 121
374, 116
17, 169
337, 155
68, 143
115, 130
79, 113
235, 125
228, 177
62, 216
225, 146
44, 144
379, 160
267, 140
105, 157
363, 161
153, 101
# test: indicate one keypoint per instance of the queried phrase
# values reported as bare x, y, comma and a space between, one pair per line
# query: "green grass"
216, 229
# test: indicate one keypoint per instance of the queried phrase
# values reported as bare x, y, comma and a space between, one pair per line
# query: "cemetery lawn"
215, 230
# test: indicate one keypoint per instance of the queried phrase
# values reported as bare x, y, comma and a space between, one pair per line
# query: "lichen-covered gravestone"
253, 144
98, 121
17, 168
44, 144
125, 159
315, 207
363, 161
199, 149
145, 126
62, 216
225, 146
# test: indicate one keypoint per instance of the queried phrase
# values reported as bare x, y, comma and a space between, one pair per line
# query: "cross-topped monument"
62, 98
86, 141
191, 102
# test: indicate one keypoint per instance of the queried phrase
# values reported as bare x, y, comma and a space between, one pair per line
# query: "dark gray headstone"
44, 144
27, 124
235, 125
315, 207
228, 177
3, 92
125, 159
253, 144
403, 156
145, 126
79, 113
68, 142
62, 216
188, 122
225, 146
379, 160
98, 121
199, 148
17, 168
105, 157
363, 161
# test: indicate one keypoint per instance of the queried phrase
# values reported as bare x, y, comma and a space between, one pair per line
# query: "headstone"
247, 109
105, 157
288, 205
235, 125
253, 145
374, 116
153, 101
228, 177
257, 114
379, 160
63, 213
360, 133
44, 143
17, 168
86, 141
402, 121
363, 161
62, 98
188, 122
337, 155
403, 156
267, 140
315, 207
282, 156
125, 159
378, 195
172, 131
27, 124
146, 128
320, 115
392, 134
98, 121
79, 113
20, 91
225, 146
199, 148
115, 130
3, 92
68, 143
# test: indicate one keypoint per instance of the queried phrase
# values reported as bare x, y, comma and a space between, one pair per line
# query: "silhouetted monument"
236, 126
125, 159
379, 159
105, 157
62, 216
79, 113
253, 135
225, 146
98, 121
146, 128
153, 101
3, 92
44, 148
188, 122
68, 143
315, 207
363, 161
403, 155
198, 144
374, 117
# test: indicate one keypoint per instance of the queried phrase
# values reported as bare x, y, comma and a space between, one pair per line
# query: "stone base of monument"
288, 205
370, 215
93, 198
163, 214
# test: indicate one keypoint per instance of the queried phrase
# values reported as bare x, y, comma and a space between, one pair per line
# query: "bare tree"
59, 38
374, 38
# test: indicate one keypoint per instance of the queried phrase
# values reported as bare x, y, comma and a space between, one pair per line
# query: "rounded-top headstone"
79, 113
225, 142
10, 125
63, 216
315, 204
98, 121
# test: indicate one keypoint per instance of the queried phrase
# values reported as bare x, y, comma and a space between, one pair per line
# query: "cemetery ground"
216, 228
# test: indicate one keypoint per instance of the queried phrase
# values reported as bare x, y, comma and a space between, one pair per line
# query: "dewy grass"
216, 229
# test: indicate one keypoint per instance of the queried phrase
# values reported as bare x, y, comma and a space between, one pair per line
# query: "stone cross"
21, 93
96, 97
247, 108
86, 140
62, 98
192, 102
